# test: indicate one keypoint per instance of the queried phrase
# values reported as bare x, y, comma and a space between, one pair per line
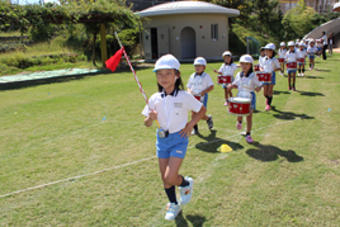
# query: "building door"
188, 43
154, 43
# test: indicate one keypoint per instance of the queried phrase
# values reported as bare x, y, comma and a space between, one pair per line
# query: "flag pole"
134, 74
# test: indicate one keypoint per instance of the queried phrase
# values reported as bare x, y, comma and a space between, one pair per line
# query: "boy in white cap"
170, 106
301, 54
270, 65
282, 53
226, 72
312, 50
291, 60
199, 85
246, 82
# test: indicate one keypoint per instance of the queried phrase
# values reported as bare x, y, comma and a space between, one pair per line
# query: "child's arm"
231, 86
148, 120
195, 119
209, 89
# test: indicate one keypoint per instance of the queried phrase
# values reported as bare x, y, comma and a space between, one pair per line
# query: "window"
214, 32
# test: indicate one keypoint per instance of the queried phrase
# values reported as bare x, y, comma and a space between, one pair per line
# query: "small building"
186, 29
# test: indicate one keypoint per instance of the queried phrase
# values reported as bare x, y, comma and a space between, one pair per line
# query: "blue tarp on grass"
46, 75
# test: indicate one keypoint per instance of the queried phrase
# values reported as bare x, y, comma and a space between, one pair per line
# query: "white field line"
117, 166
76, 177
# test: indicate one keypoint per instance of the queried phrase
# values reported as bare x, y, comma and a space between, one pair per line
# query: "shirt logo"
178, 104
179, 152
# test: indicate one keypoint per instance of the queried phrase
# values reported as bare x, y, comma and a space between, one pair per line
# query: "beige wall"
174, 24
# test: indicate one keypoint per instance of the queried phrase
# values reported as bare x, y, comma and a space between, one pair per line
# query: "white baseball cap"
282, 44
167, 61
302, 44
270, 46
291, 43
311, 41
226, 53
200, 61
246, 58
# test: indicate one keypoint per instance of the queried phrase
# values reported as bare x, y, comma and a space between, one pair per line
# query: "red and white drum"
291, 65
301, 60
264, 76
281, 60
257, 68
224, 79
239, 106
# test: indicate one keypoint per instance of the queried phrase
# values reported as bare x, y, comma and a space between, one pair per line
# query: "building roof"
187, 7
336, 7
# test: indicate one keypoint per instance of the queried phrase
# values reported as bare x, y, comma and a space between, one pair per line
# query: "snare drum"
224, 79
264, 77
257, 68
281, 60
239, 106
291, 65
301, 60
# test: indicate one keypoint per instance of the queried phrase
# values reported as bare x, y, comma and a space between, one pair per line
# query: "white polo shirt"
172, 109
270, 64
198, 83
245, 85
282, 53
312, 50
291, 56
301, 53
325, 40
261, 60
228, 70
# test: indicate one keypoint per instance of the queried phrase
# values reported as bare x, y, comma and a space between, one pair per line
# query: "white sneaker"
186, 192
172, 210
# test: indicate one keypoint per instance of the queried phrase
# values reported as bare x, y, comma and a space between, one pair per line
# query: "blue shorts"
253, 100
301, 63
225, 85
205, 100
273, 78
171, 146
289, 71
311, 57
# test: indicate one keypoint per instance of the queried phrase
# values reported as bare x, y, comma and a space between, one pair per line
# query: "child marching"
291, 60
246, 82
199, 85
282, 54
170, 106
226, 74
270, 65
301, 54
312, 50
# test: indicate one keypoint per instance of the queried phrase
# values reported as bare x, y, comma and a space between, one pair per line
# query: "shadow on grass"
214, 142
196, 220
268, 153
309, 93
322, 70
281, 92
313, 77
289, 115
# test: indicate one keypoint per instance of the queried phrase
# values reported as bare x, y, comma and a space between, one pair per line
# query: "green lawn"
291, 177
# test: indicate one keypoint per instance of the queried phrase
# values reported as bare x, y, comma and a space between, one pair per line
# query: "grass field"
290, 177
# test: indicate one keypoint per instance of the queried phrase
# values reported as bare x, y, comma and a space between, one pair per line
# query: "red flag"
113, 61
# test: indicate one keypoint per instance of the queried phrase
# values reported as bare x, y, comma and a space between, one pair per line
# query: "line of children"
199, 85
270, 65
170, 106
246, 82
301, 54
226, 74
282, 54
291, 60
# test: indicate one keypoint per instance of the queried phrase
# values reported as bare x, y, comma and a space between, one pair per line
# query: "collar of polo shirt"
164, 94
